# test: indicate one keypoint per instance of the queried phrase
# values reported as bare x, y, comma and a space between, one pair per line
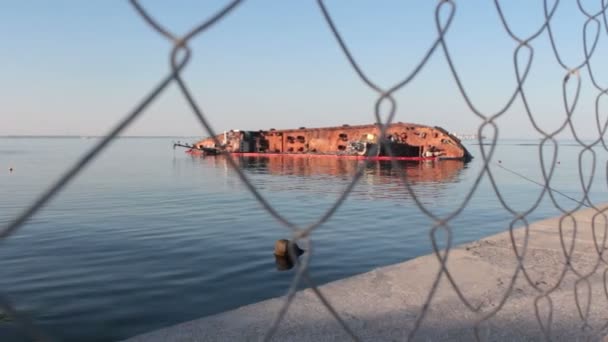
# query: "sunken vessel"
405, 141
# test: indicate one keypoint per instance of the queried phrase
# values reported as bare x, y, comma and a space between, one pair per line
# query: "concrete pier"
382, 305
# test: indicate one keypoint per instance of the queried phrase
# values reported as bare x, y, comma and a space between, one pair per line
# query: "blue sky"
76, 67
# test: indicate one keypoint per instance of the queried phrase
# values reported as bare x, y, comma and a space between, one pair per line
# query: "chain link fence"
596, 24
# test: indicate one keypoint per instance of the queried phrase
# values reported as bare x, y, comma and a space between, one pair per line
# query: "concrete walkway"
382, 305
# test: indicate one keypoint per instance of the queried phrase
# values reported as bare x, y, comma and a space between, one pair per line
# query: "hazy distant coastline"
96, 137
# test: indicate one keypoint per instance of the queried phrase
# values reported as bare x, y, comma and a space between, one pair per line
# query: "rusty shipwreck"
407, 141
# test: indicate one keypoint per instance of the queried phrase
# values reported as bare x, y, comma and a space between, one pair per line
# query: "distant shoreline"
95, 136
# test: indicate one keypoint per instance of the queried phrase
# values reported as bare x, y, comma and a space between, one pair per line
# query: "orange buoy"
281, 248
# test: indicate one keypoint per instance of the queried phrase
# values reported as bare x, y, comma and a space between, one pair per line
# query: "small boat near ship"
407, 141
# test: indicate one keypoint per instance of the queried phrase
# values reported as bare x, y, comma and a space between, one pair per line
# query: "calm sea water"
148, 237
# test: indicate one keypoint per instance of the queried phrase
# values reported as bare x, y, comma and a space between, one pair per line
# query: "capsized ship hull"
407, 141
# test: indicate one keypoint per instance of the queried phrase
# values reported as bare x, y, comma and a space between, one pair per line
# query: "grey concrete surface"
382, 305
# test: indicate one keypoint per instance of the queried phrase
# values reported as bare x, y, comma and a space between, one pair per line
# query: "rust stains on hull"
406, 141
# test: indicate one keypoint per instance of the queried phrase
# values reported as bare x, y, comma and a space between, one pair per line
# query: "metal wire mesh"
595, 25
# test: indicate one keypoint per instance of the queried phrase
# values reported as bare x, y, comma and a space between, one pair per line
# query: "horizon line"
92, 136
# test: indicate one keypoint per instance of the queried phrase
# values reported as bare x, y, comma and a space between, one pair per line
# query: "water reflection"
381, 179
416, 172
283, 263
